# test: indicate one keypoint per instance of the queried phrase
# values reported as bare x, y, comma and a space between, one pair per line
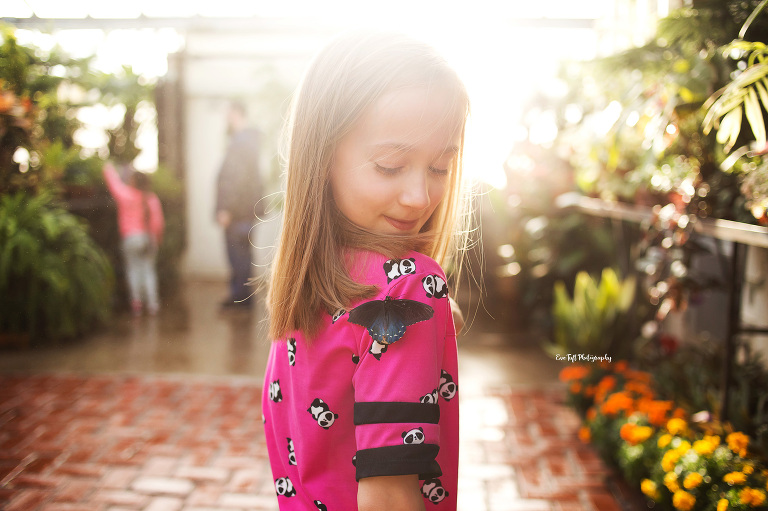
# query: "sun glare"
502, 63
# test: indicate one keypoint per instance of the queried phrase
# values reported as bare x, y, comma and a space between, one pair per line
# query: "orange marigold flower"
649, 489
692, 480
634, 434
748, 469
752, 497
722, 505
683, 500
591, 414
738, 443
589, 391
664, 440
679, 413
607, 384
670, 481
639, 388
585, 435
640, 376
620, 366
669, 460
733, 478
575, 387
573, 372
657, 411
676, 426
616, 403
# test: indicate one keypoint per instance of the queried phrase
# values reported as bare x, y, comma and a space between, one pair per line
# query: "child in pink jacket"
141, 224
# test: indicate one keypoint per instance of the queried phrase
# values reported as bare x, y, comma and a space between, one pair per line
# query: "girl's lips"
402, 224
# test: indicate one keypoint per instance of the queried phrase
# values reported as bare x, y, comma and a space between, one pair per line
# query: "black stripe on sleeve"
397, 460
381, 412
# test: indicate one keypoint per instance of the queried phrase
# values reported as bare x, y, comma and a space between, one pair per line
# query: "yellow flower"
722, 505
669, 460
692, 480
676, 426
752, 497
735, 478
670, 481
648, 488
748, 469
683, 500
664, 440
706, 445
738, 443
684, 447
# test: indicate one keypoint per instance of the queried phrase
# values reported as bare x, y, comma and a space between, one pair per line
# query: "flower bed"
678, 461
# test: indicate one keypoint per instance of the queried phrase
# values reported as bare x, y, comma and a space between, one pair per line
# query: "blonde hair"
308, 273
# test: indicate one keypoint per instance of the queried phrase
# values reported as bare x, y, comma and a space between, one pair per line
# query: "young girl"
360, 401
141, 224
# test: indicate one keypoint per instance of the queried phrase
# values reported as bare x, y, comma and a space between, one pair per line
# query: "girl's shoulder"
381, 271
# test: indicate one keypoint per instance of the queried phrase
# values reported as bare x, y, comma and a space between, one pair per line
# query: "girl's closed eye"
386, 168
439, 171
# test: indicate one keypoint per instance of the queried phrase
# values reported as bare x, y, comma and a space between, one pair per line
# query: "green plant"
55, 282
596, 320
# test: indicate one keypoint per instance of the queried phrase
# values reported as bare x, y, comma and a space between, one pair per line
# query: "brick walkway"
158, 443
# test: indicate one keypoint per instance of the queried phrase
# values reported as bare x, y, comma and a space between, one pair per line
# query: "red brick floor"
161, 443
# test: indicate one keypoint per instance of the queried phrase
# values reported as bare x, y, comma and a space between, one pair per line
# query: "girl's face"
391, 171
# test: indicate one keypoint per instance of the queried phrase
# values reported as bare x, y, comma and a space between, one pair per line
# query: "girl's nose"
415, 193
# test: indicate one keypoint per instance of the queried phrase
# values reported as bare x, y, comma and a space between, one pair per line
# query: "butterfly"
386, 320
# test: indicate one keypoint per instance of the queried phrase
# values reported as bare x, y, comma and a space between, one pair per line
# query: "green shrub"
598, 317
55, 282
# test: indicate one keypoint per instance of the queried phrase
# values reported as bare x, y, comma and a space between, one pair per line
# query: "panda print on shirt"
291, 453
275, 394
414, 436
377, 349
447, 387
320, 506
284, 487
291, 343
430, 398
322, 413
336, 315
433, 490
435, 286
395, 268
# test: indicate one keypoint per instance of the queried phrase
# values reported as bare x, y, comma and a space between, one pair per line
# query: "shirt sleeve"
397, 415
119, 190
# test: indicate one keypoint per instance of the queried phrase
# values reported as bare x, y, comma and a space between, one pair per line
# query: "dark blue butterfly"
386, 320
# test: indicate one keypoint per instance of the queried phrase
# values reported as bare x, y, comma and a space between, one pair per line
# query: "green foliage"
692, 377
742, 96
55, 282
596, 320
42, 92
539, 243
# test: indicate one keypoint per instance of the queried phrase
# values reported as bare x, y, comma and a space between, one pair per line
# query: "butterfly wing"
409, 311
387, 320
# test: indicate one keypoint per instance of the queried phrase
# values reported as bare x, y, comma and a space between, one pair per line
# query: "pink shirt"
130, 207
348, 407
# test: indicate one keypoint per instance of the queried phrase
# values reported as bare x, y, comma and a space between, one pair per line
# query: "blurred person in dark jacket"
238, 192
